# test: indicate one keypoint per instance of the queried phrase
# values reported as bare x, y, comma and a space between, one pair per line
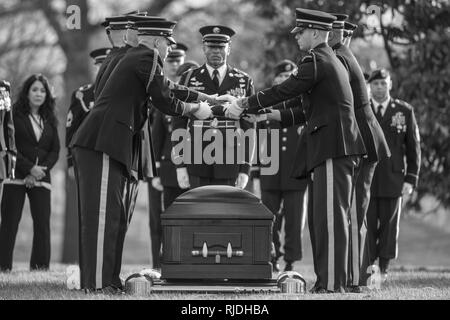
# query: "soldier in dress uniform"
81, 103
216, 77
377, 150
281, 189
121, 37
333, 142
107, 149
166, 181
392, 179
8, 150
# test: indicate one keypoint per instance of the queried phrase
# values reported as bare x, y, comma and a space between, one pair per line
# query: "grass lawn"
404, 283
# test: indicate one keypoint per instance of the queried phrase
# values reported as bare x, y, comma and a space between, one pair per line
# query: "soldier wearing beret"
377, 150
392, 179
334, 145
107, 149
280, 189
216, 77
8, 149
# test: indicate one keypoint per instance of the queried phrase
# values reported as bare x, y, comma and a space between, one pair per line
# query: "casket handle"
229, 253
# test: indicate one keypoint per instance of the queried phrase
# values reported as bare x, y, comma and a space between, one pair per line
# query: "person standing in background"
38, 147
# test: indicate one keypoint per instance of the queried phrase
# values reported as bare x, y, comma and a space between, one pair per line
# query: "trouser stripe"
397, 229
101, 222
330, 223
354, 241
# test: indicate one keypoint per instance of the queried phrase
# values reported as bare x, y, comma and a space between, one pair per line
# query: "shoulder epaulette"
403, 103
307, 58
240, 72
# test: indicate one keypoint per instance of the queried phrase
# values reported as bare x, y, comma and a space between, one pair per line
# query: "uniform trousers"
383, 222
155, 210
11, 212
101, 183
359, 254
294, 210
332, 186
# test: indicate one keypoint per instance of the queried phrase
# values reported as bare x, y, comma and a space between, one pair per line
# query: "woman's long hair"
46, 110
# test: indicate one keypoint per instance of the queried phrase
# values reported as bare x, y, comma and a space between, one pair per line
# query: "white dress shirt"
384, 105
222, 72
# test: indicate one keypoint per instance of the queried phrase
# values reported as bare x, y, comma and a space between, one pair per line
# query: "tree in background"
415, 37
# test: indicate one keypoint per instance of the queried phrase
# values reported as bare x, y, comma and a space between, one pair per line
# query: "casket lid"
217, 202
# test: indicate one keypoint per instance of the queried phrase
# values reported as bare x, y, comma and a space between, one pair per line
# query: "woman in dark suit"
38, 146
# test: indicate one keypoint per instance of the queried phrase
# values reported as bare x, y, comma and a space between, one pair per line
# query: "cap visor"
297, 29
172, 40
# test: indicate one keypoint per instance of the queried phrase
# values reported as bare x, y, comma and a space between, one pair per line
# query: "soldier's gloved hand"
242, 180
156, 183
233, 111
203, 111
253, 118
211, 99
183, 178
71, 172
407, 188
227, 98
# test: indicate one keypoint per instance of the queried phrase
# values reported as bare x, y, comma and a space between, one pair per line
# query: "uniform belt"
216, 124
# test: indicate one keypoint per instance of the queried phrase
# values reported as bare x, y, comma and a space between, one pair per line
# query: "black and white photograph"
225, 155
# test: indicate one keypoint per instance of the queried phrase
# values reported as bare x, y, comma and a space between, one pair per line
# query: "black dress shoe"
288, 266
320, 290
353, 289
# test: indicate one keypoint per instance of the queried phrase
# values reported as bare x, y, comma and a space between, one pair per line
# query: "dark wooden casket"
217, 232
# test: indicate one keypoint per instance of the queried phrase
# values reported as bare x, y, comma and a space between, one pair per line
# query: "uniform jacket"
29, 150
162, 128
371, 132
287, 143
109, 67
81, 103
104, 66
114, 125
402, 135
236, 83
7, 143
331, 128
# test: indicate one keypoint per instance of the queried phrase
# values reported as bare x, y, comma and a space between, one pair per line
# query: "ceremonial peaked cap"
161, 28
312, 19
340, 21
178, 50
217, 35
132, 19
349, 28
285, 66
99, 54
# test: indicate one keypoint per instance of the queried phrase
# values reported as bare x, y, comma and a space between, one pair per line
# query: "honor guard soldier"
166, 182
107, 149
334, 144
392, 179
81, 103
281, 189
174, 60
216, 77
8, 149
377, 150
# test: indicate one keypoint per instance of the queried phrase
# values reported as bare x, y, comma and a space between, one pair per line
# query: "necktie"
379, 109
216, 78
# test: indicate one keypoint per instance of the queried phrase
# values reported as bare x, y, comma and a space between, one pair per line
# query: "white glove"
233, 111
183, 178
204, 111
71, 172
227, 98
156, 183
253, 118
242, 180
